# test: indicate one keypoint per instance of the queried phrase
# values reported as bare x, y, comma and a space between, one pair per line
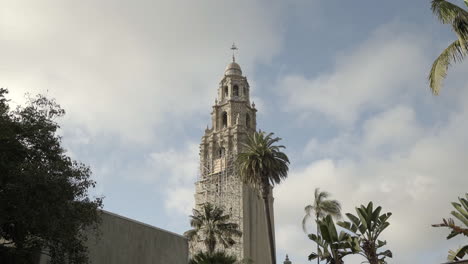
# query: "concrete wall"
126, 241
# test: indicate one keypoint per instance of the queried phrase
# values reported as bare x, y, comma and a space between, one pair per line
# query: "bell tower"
233, 118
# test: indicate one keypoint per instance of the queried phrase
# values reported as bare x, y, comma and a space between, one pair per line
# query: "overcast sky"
342, 82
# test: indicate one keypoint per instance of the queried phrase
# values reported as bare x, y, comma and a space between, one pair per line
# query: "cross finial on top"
233, 48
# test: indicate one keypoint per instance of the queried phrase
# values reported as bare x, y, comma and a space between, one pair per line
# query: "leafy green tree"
212, 226
321, 208
218, 257
367, 226
333, 247
262, 164
44, 201
461, 213
457, 18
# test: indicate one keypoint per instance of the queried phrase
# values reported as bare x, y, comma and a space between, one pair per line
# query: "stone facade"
121, 240
233, 118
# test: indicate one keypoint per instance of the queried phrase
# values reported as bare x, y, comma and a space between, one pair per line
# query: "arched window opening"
244, 91
225, 122
247, 120
226, 91
235, 90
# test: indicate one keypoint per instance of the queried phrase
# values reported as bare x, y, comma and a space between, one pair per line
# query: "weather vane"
233, 48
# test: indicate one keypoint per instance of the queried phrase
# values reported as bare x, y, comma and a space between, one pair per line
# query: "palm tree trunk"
371, 252
318, 233
211, 245
265, 194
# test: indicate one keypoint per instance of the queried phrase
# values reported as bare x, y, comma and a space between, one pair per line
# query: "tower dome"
233, 69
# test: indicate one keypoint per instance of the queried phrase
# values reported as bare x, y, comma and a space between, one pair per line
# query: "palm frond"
308, 215
211, 226
447, 12
262, 162
332, 207
453, 53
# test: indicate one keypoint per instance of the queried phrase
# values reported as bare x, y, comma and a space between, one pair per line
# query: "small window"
235, 90
226, 91
221, 152
247, 120
225, 123
244, 91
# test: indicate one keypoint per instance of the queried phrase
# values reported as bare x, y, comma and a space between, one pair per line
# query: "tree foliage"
460, 213
262, 164
457, 18
320, 209
333, 247
367, 227
218, 257
44, 202
212, 227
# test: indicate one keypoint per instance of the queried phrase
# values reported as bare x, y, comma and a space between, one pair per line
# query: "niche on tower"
224, 120
226, 92
235, 90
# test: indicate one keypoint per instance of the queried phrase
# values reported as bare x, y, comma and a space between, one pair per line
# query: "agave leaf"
313, 237
362, 229
361, 213
354, 219
385, 217
458, 254
344, 224
382, 227
452, 234
460, 209
386, 253
460, 217
381, 243
325, 232
376, 213
463, 201
313, 256
348, 226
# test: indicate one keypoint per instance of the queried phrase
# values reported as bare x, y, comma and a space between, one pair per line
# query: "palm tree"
457, 17
218, 257
262, 165
461, 214
333, 247
320, 209
212, 226
367, 226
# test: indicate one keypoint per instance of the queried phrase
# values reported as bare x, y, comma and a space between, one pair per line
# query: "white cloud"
389, 151
393, 128
180, 200
368, 77
177, 170
130, 69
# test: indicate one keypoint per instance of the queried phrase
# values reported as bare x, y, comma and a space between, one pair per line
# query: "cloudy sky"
342, 82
